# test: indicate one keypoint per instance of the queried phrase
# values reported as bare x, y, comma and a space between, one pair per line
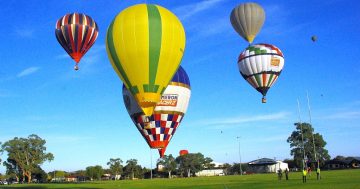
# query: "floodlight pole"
239, 156
312, 133
302, 135
151, 175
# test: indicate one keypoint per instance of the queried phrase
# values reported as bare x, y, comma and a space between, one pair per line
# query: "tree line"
167, 167
26, 155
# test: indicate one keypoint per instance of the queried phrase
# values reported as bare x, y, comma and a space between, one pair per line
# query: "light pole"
312, 132
151, 176
302, 135
239, 156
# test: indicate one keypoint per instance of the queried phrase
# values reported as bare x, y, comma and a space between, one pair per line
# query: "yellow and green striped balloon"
145, 44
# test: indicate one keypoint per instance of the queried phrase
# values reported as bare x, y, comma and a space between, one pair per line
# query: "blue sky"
82, 117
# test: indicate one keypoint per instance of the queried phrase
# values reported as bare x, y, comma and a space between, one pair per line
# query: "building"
266, 165
71, 179
210, 172
343, 164
217, 170
106, 177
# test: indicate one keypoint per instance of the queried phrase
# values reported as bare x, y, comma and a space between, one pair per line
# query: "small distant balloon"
314, 38
183, 152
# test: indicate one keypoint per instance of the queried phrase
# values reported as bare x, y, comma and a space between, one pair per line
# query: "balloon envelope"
247, 19
313, 38
260, 65
167, 115
145, 44
76, 33
183, 152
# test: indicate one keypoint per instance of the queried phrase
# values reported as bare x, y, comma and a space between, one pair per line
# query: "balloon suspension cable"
263, 100
76, 67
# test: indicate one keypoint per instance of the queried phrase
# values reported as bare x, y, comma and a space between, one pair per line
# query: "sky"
82, 117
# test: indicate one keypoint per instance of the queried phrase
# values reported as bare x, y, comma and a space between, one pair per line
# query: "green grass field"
344, 179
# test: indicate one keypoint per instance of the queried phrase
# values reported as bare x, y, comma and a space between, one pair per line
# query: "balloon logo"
76, 33
145, 45
247, 19
260, 65
167, 115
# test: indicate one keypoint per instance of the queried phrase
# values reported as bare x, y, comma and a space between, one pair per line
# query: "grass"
344, 179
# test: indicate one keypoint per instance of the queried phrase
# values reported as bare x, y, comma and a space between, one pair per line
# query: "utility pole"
151, 175
239, 156
302, 135
312, 133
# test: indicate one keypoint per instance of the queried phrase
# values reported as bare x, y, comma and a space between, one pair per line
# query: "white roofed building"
266, 165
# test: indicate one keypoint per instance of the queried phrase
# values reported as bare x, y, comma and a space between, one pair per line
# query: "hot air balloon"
145, 44
167, 115
260, 65
183, 152
76, 33
247, 20
314, 38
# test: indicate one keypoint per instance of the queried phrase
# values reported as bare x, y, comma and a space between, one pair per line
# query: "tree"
115, 166
140, 171
295, 140
192, 163
57, 175
291, 163
235, 168
40, 175
1, 151
26, 155
94, 172
169, 163
341, 158
227, 168
12, 169
131, 167
81, 174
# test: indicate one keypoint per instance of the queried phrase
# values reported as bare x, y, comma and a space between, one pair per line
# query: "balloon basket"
263, 100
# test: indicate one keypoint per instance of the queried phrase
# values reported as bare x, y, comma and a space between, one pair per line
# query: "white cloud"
94, 54
25, 33
356, 103
28, 71
207, 29
39, 118
88, 64
244, 119
342, 115
5, 93
189, 10
271, 138
62, 56
66, 139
